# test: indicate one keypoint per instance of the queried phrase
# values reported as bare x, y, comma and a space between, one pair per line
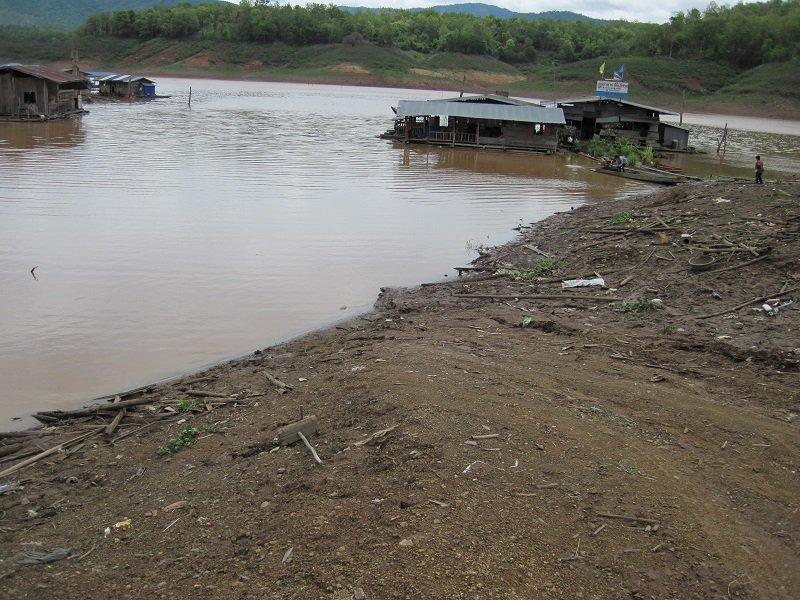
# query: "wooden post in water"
723, 142
683, 106
190, 96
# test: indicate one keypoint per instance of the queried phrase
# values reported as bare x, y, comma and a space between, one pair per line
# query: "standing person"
759, 169
623, 161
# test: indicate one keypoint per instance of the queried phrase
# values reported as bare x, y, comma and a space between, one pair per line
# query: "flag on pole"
619, 74
602, 69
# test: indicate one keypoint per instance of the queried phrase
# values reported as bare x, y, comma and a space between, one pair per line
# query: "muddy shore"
495, 436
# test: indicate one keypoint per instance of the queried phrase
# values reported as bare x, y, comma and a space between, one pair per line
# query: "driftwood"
739, 266
375, 436
283, 387
748, 303
205, 394
49, 452
57, 415
109, 430
11, 449
289, 434
310, 448
541, 297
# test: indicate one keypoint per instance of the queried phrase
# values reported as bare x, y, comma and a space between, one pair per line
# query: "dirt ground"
491, 436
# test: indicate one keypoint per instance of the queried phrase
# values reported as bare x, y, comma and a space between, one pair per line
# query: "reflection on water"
16, 138
168, 238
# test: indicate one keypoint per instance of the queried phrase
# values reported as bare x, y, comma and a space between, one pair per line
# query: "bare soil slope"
490, 437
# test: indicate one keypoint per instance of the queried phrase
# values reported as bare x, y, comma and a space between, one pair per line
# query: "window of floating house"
29, 97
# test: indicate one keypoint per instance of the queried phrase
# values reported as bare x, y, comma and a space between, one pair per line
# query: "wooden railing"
447, 137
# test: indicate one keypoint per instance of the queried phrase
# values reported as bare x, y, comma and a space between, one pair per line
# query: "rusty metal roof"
42, 73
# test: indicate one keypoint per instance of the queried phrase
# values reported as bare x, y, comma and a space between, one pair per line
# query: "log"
205, 394
277, 382
11, 449
48, 452
90, 411
738, 266
289, 434
541, 297
115, 422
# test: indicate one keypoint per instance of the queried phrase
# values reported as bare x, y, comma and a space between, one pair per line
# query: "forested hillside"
479, 9
745, 35
745, 55
70, 13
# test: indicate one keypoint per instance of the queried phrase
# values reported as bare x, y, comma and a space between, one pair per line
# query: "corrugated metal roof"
592, 99
474, 110
124, 78
42, 73
675, 125
490, 98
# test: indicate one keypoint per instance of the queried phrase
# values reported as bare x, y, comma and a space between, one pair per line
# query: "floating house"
486, 121
114, 85
616, 118
36, 93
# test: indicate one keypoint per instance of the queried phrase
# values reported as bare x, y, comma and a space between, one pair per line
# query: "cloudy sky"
630, 10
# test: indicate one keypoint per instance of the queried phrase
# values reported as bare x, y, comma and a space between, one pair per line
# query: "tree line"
746, 34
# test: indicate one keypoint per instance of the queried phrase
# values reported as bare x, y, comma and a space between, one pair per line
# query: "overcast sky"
630, 10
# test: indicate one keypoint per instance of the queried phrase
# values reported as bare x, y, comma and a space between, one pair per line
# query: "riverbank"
493, 436
471, 82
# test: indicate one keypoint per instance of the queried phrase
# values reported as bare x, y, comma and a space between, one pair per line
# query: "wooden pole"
190, 96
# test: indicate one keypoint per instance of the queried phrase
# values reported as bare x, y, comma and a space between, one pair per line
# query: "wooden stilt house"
36, 93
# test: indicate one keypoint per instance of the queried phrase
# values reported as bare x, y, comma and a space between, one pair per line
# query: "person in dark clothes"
759, 169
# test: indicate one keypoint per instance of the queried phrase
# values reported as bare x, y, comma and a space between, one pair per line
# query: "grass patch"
541, 268
187, 405
182, 440
621, 218
640, 306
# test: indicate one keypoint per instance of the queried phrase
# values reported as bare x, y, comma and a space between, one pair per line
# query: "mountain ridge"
73, 13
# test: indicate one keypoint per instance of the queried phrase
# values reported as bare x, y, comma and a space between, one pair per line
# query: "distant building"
123, 86
486, 121
36, 93
614, 118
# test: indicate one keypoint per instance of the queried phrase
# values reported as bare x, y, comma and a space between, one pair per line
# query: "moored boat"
643, 175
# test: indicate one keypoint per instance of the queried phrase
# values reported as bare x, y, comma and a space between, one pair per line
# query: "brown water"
168, 238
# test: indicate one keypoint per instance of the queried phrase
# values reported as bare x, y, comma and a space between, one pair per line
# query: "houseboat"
614, 118
36, 93
115, 85
491, 121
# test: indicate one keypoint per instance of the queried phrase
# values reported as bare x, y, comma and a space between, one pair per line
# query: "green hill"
71, 13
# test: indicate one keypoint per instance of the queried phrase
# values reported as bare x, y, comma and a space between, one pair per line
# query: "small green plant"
621, 218
639, 306
758, 243
540, 268
183, 439
647, 156
186, 405
670, 329
626, 468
